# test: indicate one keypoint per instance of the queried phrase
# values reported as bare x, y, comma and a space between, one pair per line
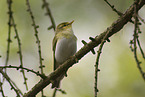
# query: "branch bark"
114, 28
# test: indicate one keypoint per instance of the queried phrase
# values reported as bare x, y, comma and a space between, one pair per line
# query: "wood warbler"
64, 46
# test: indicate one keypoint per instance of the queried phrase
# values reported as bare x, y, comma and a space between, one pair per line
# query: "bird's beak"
71, 22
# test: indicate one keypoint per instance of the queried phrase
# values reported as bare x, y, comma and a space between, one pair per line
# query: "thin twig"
37, 39
114, 9
36, 35
58, 89
135, 38
27, 69
13, 87
9, 2
20, 52
97, 63
54, 93
1, 89
19, 46
141, 50
48, 12
141, 19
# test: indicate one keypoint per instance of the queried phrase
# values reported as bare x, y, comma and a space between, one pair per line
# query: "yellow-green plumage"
64, 46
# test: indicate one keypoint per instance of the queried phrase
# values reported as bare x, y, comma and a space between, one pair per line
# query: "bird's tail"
56, 84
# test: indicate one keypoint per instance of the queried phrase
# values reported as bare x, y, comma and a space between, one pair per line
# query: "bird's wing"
54, 46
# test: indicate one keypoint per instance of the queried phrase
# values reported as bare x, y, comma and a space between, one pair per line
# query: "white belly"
64, 49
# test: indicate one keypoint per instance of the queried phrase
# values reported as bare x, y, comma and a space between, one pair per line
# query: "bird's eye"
60, 26
64, 25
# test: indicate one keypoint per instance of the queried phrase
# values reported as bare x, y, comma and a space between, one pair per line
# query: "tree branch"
114, 28
48, 12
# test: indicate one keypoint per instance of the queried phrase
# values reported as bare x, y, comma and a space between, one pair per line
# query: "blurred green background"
119, 75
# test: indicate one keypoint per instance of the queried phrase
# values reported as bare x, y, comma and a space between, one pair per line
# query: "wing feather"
54, 47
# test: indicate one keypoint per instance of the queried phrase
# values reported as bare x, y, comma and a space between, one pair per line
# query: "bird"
64, 46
